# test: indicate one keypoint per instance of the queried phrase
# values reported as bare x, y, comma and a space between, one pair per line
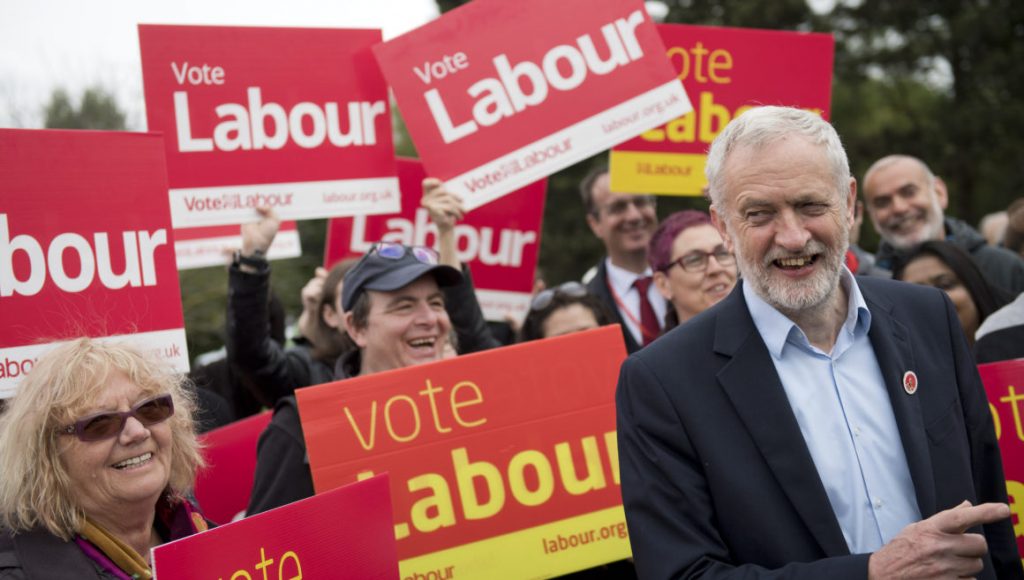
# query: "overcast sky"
45, 44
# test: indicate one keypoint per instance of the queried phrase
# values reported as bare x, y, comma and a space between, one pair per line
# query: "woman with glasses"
948, 268
97, 454
692, 268
563, 309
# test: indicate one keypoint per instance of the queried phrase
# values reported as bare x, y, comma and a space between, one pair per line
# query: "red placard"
345, 533
212, 245
492, 455
1004, 384
498, 94
86, 247
725, 71
499, 241
224, 485
296, 119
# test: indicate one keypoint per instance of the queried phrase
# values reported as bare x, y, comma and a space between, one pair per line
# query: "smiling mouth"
423, 342
133, 462
795, 263
905, 224
718, 288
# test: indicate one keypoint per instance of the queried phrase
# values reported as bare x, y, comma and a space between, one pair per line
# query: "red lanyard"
622, 307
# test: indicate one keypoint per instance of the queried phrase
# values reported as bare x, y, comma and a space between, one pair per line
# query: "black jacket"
1001, 267
598, 286
718, 481
38, 554
272, 369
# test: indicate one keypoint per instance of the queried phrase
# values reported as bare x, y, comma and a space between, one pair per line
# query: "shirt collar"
622, 279
776, 329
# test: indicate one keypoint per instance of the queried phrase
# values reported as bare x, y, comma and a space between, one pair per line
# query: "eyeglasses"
543, 299
110, 424
697, 260
396, 251
621, 205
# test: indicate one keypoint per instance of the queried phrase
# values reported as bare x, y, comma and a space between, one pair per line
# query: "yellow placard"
544, 551
660, 173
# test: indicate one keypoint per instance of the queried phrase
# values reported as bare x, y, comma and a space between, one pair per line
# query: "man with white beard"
811, 424
906, 202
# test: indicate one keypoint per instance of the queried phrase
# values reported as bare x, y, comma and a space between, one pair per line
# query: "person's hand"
310, 298
445, 208
260, 234
938, 547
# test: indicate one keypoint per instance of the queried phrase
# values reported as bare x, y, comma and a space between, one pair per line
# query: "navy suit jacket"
717, 480
598, 286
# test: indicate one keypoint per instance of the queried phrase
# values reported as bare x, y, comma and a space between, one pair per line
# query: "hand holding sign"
445, 207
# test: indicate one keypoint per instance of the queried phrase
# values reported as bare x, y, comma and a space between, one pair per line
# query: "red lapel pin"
910, 382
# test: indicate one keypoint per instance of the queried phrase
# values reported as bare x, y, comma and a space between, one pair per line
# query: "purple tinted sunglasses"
110, 424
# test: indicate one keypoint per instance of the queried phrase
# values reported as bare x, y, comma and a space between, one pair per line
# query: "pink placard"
499, 241
86, 246
297, 119
498, 94
344, 533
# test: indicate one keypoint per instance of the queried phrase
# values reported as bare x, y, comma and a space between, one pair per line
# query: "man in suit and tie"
623, 280
810, 425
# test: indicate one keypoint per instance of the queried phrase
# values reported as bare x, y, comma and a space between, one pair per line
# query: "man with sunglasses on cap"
395, 313
394, 305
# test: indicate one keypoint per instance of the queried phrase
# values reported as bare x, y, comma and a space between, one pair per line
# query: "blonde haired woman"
97, 452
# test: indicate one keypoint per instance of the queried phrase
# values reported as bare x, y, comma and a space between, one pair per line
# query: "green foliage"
97, 110
943, 80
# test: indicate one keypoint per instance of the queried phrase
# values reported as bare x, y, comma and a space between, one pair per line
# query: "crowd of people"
771, 357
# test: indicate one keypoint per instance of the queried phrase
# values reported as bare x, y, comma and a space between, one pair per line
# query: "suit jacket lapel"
753, 386
600, 286
891, 342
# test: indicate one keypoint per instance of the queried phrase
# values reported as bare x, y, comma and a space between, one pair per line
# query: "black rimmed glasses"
110, 424
396, 251
697, 260
544, 298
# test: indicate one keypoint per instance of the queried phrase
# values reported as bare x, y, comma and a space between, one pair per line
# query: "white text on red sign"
502, 97
93, 258
244, 127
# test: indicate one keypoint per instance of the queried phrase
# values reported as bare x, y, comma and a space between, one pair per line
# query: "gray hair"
890, 159
763, 126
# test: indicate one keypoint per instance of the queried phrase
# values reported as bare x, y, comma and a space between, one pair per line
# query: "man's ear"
595, 225
941, 193
332, 318
719, 222
851, 202
357, 335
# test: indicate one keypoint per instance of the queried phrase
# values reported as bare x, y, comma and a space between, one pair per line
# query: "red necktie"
649, 327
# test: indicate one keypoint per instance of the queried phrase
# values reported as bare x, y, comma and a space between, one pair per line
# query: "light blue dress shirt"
845, 416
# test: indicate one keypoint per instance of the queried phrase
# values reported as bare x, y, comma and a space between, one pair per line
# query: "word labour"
93, 258
465, 489
503, 247
564, 68
307, 124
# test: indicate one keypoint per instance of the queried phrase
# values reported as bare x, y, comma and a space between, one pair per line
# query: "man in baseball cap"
394, 307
